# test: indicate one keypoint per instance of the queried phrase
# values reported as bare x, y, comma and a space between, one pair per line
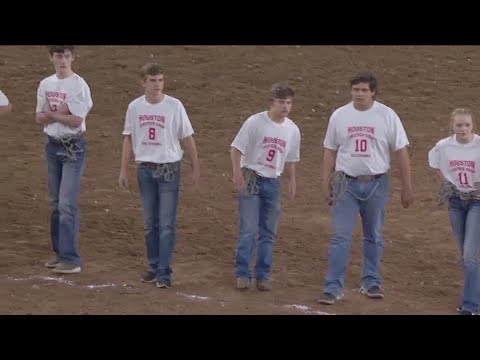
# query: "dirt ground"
220, 87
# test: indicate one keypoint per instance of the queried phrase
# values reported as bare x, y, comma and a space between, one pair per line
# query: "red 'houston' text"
270, 140
152, 120
462, 165
361, 131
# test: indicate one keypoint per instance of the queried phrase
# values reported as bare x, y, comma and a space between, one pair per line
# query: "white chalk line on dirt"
194, 297
63, 281
201, 298
307, 310
303, 308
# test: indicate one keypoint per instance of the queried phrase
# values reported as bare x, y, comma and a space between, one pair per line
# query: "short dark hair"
60, 48
151, 69
281, 91
365, 76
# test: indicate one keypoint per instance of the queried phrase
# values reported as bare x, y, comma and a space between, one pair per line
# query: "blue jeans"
159, 198
259, 215
64, 174
465, 221
368, 199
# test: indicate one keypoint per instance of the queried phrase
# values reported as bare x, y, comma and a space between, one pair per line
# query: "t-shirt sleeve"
243, 137
81, 102
185, 128
398, 135
434, 157
330, 141
294, 153
41, 98
3, 99
128, 122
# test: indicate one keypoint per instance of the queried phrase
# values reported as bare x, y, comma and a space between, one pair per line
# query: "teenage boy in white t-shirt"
357, 145
5, 105
155, 124
456, 160
63, 104
267, 144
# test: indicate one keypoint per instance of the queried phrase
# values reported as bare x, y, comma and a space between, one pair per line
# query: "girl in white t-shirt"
456, 160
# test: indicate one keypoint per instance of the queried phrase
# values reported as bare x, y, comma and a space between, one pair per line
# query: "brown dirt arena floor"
220, 86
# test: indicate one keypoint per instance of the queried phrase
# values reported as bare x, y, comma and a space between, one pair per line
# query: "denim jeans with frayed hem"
64, 175
367, 198
465, 221
159, 198
259, 214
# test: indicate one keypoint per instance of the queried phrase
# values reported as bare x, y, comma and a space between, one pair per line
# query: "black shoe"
375, 292
53, 262
328, 298
466, 312
149, 277
164, 284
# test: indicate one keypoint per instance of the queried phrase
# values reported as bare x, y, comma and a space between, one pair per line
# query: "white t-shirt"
458, 162
363, 139
266, 145
73, 91
157, 128
3, 99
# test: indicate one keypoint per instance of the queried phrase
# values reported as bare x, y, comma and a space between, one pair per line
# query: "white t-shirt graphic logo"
360, 137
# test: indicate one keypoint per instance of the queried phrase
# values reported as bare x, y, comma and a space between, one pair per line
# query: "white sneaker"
64, 268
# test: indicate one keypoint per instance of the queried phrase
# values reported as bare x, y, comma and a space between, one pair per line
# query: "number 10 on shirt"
360, 145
